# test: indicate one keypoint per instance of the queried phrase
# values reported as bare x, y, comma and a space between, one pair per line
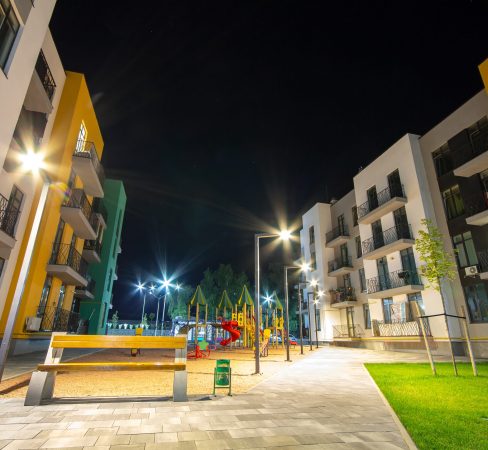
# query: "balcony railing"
67, 255
475, 204
339, 263
99, 208
393, 280
78, 199
87, 149
477, 146
58, 319
47, 80
400, 327
388, 236
93, 245
336, 232
381, 198
8, 217
483, 260
90, 287
345, 331
342, 294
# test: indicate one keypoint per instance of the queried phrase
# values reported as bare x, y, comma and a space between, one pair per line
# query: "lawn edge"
403, 431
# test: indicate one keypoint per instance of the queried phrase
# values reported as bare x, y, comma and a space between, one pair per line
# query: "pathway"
325, 401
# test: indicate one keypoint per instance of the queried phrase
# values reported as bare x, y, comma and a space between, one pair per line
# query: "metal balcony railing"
387, 237
339, 263
58, 319
8, 217
344, 331
483, 260
336, 232
78, 199
342, 294
99, 208
87, 149
393, 280
67, 255
93, 245
47, 80
475, 204
402, 327
477, 145
381, 198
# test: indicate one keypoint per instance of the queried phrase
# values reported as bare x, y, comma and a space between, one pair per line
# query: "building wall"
484, 73
104, 273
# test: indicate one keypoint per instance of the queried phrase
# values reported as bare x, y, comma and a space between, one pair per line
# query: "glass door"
394, 184
372, 198
341, 225
351, 329
401, 223
383, 275
344, 254
377, 231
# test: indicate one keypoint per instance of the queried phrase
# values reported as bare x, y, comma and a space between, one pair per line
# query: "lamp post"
303, 267
300, 312
309, 320
141, 288
166, 285
283, 235
31, 162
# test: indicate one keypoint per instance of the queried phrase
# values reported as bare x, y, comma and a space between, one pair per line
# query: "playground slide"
234, 334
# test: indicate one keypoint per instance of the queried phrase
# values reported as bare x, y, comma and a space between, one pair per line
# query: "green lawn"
442, 412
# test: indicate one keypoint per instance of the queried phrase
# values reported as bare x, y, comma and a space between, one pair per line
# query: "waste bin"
223, 375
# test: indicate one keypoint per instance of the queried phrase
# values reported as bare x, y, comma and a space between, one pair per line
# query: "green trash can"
223, 375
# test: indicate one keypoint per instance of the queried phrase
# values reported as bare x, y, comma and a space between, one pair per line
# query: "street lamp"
284, 235
166, 284
303, 267
313, 284
141, 288
33, 163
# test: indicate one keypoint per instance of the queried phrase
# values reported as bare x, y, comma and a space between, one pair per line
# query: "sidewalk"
325, 401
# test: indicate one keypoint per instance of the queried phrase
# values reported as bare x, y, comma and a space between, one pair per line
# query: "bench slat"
89, 366
95, 341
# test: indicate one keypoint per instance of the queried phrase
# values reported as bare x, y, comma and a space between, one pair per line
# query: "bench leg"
180, 386
41, 387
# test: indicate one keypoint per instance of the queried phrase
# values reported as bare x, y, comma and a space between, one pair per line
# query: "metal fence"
387, 237
396, 190
393, 280
58, 319
399, 328
8, 216
336, 232
67, 255
347, 331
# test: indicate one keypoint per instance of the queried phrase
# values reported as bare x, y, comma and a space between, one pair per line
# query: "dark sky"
222, 117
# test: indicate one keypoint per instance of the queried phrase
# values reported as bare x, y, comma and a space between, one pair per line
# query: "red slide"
229, 325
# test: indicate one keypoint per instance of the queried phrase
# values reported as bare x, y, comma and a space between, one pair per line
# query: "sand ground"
158, 383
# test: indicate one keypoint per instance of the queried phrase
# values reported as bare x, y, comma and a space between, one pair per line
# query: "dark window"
477, 301
45, 294
2, 265
362, 279
359, 249
372, 198
395, 184
341, 224
346, 279
408, 260
311, 235
415, 297
442, 160
387, 304
401, 221
9, 26
344, 254
59, 232
12, 211
367, 316
313, 260
354, 216
453, 203
465, 251
377, 231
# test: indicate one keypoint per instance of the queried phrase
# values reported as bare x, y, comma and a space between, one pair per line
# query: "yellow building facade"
71, 229
484, 73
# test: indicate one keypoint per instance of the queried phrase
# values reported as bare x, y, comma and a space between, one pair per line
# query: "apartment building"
95, 300
31, 83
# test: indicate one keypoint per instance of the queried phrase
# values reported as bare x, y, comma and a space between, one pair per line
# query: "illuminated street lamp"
315, 303
284, 235
304, 267
166, 284
32, 163
141, 288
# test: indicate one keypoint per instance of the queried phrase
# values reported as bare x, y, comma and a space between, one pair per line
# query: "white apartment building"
362, 252
31, 82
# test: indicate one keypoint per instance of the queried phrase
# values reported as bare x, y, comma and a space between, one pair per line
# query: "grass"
442, 412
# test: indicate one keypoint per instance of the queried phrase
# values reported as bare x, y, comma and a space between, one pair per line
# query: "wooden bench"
41, 386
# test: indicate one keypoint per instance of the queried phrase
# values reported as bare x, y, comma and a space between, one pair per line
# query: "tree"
152, 316
115, 319
177, 301
224, 277
438, 266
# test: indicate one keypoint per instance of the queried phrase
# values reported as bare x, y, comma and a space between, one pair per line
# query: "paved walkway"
325, 401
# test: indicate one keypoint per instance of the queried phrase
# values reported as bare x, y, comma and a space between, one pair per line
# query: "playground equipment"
244, 315
196, 301
277, 320
230, 327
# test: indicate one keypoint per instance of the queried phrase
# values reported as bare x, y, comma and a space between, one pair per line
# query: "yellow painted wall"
484, 73
75, 106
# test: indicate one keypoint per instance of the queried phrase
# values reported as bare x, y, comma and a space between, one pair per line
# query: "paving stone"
113, 440
193, 436
65, 442
24, 444
165, 437
142, 439
185, 445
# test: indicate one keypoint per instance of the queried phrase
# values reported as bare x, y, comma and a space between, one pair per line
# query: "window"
453, 203
109, 279
80, 143
2, 265
313, 261
344, 254
362, 279
341, 224
59, 232
372, 198
12, 211
395, 184
465, 251
442, 160
317, 319
354, 216
45, 294
477, 301
408, 260
359, 249
346, 279
367, 316
9, 26
401, 222
311, 235
415, 297
387, 304
377, 231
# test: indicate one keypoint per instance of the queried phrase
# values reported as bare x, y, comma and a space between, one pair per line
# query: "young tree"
115, 319
438, 266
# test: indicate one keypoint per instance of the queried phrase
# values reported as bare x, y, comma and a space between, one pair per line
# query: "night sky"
223, 118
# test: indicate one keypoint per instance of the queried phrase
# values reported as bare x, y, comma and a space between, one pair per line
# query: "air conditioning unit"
33, 323
471, 271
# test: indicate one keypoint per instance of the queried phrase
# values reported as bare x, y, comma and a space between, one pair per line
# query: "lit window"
9, 27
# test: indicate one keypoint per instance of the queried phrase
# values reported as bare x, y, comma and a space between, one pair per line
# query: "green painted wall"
103, 273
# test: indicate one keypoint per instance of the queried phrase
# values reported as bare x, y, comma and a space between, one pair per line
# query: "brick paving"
325, 401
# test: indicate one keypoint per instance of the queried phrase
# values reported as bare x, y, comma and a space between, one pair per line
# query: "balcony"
337, 236
58, 319
100, 211
483, 264
88, 167
41, 88
386, 201
86, 292
347, 331
391, 240
92, 251
67, 264
395, 283
398, 328
476, 209
342, 297
340, 266
8, 222
475, 159
78, 213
